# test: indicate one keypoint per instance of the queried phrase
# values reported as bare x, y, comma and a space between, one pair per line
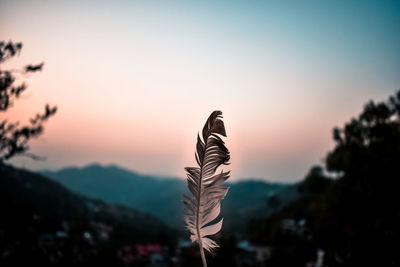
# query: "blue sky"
139, 78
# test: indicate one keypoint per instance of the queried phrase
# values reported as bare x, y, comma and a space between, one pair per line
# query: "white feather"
205, 205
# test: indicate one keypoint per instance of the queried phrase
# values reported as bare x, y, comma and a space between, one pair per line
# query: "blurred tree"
359, 221
354, 218
13, 137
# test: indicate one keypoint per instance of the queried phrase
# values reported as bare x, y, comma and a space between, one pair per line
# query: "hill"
246, 199
117, 185
43, 222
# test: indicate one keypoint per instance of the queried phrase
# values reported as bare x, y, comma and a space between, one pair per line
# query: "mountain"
253, 199
43, 222
162, 196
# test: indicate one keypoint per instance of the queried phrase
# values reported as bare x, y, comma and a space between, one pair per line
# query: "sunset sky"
135, 81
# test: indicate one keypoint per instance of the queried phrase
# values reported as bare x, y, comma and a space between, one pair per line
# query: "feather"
205, 185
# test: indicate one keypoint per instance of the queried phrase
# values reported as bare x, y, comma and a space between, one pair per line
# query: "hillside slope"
162, 197
43, 222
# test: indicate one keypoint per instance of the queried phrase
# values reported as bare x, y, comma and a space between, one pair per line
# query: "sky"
134, 81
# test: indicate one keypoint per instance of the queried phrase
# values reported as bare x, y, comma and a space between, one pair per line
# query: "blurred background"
309, 94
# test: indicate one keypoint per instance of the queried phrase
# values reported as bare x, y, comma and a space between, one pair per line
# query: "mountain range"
162, 196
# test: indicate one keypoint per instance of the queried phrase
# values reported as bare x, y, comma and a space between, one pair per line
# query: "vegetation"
354, 218
13, 137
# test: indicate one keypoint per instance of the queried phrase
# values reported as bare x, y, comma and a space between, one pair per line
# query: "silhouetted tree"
354, 218
359, 224
13, 137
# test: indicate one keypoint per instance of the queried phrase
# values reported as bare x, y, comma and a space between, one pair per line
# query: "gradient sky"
135, 80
